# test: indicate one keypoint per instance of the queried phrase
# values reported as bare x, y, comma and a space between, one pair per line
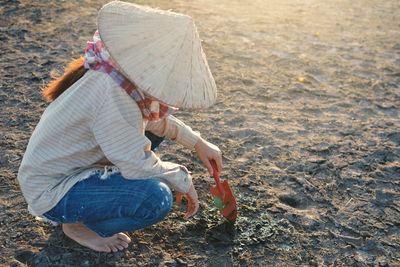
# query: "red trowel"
222, 196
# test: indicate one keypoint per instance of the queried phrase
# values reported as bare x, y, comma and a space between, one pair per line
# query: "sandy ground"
307, 118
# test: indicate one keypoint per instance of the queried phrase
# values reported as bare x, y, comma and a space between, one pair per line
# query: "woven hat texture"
160, 51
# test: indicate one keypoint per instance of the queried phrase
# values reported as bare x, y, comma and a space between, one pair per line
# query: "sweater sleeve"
175, 130
118, 129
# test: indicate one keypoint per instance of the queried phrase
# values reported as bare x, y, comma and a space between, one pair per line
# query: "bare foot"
86, 237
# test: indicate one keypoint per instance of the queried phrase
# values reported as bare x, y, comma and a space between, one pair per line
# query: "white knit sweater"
93, 122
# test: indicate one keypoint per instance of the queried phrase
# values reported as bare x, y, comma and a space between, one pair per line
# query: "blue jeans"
155, 140
113, 204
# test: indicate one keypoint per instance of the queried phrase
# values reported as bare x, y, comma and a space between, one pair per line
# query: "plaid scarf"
97, 58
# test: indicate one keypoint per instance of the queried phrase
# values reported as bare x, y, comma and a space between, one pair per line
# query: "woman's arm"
206, 152
118, 129
174, 129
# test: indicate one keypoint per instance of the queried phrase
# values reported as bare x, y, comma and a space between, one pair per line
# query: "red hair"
73, 72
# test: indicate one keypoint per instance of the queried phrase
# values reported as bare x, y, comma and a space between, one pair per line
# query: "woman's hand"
207, 152
193, 201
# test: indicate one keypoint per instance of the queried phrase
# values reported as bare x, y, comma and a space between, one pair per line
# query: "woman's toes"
106, 249
124, 237
124, 244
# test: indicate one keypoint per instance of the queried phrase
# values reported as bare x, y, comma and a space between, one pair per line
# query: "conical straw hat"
160, 51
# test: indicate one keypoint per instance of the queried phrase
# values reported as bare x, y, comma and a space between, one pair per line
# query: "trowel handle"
215, 171
216, 179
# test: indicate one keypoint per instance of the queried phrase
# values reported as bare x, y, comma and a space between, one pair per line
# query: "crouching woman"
89, 164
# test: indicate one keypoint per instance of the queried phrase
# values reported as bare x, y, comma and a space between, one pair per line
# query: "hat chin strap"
141, 93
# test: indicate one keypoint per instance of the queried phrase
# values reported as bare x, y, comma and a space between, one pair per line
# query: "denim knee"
161, 200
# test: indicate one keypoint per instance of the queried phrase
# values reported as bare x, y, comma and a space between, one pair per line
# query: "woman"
88, 164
